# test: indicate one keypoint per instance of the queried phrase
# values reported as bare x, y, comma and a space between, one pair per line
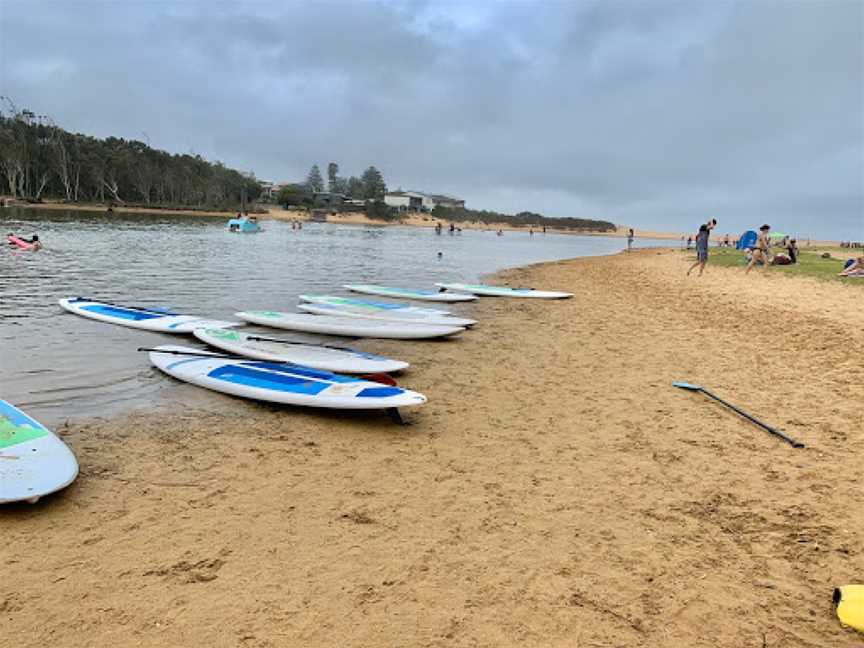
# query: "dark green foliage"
294, 195
39, 160
333, 178
374, 187
354, 188
379, 210
314, 181
522, 218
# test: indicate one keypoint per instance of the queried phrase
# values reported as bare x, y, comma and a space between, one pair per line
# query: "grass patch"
810, 263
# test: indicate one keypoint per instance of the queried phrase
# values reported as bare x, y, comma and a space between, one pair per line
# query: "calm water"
60, 366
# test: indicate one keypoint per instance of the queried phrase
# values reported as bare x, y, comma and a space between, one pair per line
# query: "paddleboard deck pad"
279, 382
348, 326
408, 293
260, 347
33, 461
159, 321
504, 291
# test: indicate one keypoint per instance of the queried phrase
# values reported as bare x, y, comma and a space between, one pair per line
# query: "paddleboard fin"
395, 416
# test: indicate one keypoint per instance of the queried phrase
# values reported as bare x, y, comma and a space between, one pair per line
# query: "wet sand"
555, 491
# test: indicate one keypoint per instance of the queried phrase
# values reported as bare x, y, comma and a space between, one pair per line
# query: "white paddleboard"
406, 315
408, 293
372, 306
138, 317
348, 326
504, 291
33, 461
279, 382
327, 358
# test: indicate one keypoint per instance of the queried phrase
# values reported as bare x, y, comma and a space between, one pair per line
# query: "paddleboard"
348, 326
279, 382
372, 306
263, 347
408, 293
504, 291
140, 318
33, 461
386, 315
849, 605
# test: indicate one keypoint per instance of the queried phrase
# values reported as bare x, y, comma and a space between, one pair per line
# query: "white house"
418, 201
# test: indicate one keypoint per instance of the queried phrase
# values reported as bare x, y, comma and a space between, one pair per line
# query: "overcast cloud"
652, 114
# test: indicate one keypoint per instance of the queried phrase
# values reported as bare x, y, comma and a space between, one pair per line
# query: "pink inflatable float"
24, 245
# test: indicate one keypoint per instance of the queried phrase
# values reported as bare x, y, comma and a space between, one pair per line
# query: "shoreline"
346, 218
360, 218
564, 491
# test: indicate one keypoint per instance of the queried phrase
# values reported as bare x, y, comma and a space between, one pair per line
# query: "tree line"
38, 160
370, 186
523, 219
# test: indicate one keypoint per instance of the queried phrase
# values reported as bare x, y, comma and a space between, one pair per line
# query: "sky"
651, 114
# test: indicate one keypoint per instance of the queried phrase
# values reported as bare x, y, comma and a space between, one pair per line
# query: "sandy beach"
555, 491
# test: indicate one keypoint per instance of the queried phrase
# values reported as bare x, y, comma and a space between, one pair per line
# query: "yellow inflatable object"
849, 601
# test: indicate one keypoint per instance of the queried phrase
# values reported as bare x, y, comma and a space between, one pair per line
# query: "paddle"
768, 428
277, 340
205, 354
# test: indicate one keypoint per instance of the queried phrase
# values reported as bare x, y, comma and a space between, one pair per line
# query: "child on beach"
760, 251
702, 246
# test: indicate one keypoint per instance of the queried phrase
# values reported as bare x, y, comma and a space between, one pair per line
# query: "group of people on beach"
760, 252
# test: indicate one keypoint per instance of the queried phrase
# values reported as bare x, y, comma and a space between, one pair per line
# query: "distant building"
271, 189
448, 201
328, 199
419, 201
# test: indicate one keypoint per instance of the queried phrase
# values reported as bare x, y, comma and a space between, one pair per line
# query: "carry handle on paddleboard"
752, 419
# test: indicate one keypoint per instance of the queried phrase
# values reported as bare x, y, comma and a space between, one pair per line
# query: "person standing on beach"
702, 246
630, 239
760, 251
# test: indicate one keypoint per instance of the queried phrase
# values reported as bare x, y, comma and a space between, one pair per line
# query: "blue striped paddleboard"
278, 382
138, 317
33, 461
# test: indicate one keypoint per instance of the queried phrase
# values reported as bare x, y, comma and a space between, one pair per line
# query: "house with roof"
420, 202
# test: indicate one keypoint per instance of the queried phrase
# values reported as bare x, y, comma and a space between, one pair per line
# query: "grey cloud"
653, 114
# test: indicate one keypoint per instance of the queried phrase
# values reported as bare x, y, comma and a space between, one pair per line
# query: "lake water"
60, 366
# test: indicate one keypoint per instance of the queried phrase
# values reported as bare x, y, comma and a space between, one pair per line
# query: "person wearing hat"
760, 251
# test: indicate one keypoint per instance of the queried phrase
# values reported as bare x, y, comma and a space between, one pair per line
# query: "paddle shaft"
768, 428
202, 354
323, 346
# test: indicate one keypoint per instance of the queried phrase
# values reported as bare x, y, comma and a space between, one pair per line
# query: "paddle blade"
686, 385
